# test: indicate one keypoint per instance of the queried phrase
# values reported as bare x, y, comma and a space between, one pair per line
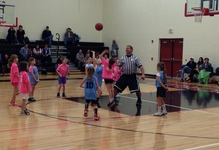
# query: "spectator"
79, 61
86, 60
191, 65
47, 36
193, 75
20, 35
37, 52
30, 54
4, 63
88, 52
11, 36
46, 53
115, 48
77, 38
69, 37
24, 52
206, 71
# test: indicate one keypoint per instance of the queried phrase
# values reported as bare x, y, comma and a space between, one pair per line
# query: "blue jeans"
48, 40
68, 40
185, 69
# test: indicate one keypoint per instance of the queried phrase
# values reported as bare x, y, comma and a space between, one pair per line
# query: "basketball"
99, 26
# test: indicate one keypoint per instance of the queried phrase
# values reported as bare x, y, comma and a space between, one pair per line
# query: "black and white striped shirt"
129, 64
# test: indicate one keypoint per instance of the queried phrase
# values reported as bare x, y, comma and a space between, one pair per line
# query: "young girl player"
90, 85
62, 71
161, 85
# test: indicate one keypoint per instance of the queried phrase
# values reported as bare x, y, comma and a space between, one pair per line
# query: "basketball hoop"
199, 13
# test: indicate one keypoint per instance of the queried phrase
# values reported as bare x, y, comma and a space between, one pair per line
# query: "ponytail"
111, 62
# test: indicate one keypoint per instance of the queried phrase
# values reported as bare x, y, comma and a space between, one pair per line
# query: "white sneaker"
164, 112
158, 114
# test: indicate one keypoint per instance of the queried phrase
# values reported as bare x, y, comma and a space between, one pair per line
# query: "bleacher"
57, 49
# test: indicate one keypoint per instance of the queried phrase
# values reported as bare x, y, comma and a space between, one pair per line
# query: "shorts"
25, 96
62, 80
14, 84
92, 101
161, 92
108, 81
127, 80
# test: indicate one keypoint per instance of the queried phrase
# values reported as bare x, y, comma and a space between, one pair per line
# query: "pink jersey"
107, 73
117, 72
24, 81
14, 70
63, 69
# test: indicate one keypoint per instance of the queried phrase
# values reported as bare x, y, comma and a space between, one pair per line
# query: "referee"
129, 64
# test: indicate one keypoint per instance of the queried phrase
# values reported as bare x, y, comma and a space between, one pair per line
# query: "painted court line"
204, 112
199, 147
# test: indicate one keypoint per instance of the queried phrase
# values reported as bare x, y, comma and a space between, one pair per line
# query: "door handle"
166, 59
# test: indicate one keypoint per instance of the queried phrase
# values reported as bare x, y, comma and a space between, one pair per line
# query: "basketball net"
199, 13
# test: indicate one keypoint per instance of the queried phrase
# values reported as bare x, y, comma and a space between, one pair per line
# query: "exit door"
171, 51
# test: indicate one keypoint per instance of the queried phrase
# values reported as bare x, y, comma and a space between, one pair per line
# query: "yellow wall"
80, 15
134, 22
137, 22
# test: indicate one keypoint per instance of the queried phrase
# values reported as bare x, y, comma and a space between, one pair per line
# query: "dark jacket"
46, 34
207, 67
191, 65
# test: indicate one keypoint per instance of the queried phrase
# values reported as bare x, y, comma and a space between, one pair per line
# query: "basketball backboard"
8, 15
211, 5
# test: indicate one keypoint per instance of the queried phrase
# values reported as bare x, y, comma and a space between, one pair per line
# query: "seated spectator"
4, 63
20, 35
193, 76
77, 38
86, 60
24, 52
46, 54
191, 65
37, 52
30, 54
206, 71
69, 37
88, 53
79, 61
47, 36
11, 36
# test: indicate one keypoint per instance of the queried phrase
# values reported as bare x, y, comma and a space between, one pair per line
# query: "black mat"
177, 101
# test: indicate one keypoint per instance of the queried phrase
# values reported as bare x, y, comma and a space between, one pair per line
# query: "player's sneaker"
158, 114
31, 99
63, 95
164, 112
25, 112
96, 118
85, 113
58, 95
111, 104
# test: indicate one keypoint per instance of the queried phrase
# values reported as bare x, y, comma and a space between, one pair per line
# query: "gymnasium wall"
80, 15
137, 22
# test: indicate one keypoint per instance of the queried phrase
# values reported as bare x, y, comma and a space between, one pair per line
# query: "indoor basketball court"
173, 33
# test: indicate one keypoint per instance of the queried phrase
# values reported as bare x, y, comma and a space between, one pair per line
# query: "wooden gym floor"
58, 124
